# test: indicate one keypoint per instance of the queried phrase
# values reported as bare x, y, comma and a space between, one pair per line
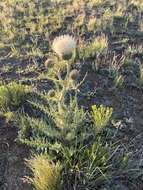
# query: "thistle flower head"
51, 93
64, 46
74, 74
49, 63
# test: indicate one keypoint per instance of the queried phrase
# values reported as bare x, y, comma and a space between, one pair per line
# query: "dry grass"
46, 174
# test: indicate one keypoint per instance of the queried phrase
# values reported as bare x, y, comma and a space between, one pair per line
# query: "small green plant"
98, 46
95, 3
115, 66
118, 81
89, 165
101, 116
97, 169
46, 175
79, 21
91, 25
13, 96
9, 116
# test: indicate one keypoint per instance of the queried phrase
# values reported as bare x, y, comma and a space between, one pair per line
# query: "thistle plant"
68, 116
62, 87
101, 116
64, 46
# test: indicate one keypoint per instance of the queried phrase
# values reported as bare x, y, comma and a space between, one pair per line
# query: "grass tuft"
46, 174
13, 96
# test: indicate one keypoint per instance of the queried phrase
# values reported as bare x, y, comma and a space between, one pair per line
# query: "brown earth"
12, 156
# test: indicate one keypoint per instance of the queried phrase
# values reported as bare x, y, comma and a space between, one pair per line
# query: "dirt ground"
12, 160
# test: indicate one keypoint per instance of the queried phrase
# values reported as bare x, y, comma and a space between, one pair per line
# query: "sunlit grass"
13, 96
46, 174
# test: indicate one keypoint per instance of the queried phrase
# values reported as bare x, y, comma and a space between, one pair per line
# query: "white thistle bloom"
64, 45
